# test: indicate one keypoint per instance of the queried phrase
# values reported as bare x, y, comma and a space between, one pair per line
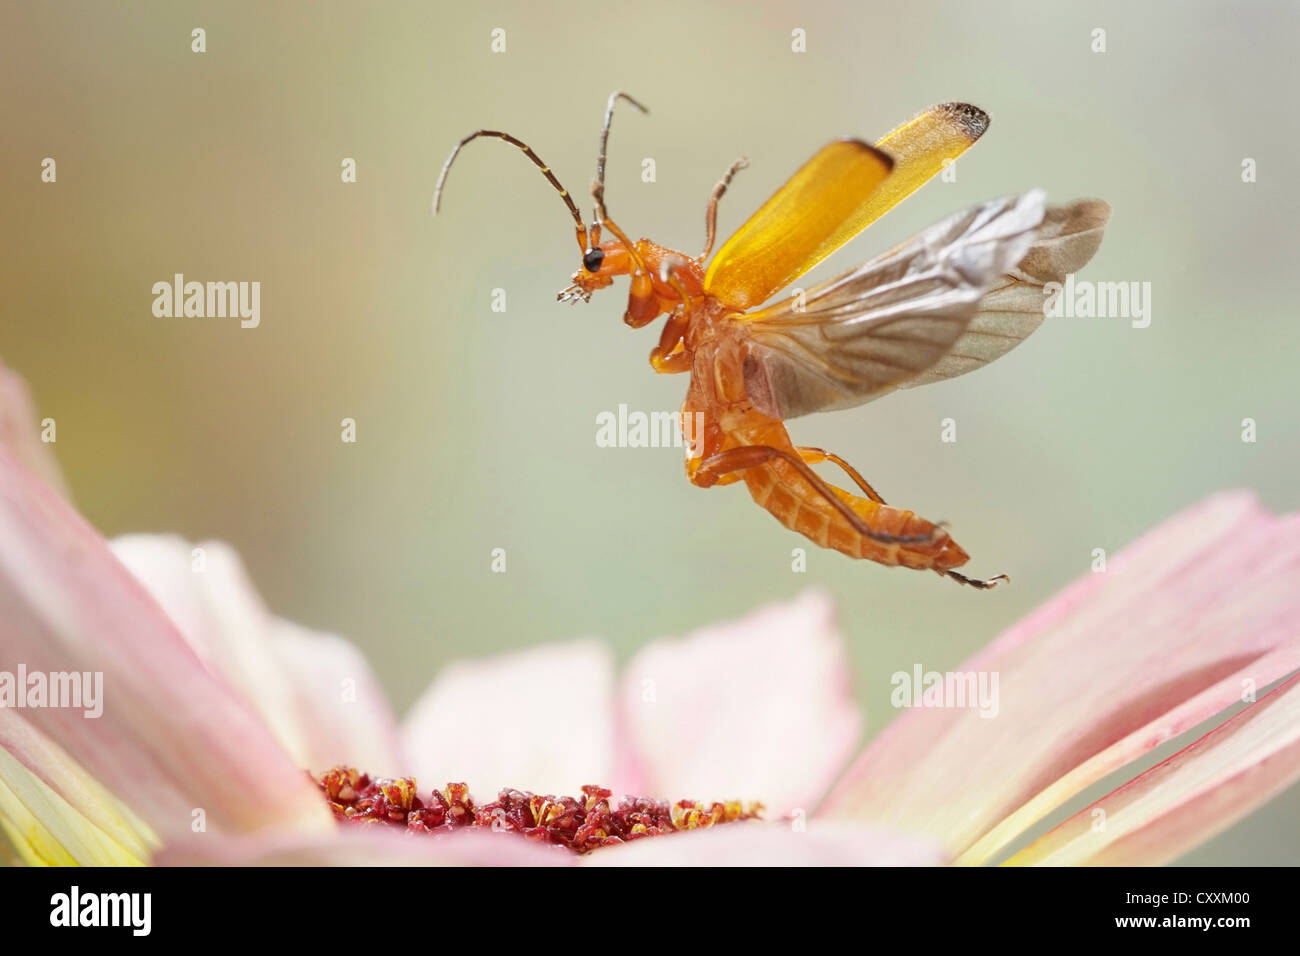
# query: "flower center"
580, 824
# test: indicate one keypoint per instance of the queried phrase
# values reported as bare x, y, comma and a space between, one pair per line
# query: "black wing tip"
972, 120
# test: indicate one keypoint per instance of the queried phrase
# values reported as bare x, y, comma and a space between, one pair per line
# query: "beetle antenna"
537, 161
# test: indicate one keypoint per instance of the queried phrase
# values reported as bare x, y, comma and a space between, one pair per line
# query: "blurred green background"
476, 428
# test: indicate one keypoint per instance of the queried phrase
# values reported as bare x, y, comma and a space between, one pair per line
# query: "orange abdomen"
781, 490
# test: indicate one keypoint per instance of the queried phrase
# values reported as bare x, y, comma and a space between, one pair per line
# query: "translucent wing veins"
869, 330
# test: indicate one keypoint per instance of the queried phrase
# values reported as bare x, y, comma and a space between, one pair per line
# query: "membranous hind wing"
1067, 239
859, 335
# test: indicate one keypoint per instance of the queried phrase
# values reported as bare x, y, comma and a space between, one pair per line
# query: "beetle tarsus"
987, 584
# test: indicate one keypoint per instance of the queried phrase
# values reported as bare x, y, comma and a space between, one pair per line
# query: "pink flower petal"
364, 846
756, 709
85, 795
172, 738
1116, 664
537, 720
343, 712
773, 844
20, 431
294, 678
1182, 802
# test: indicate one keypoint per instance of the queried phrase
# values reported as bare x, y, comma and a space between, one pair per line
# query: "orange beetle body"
957, 296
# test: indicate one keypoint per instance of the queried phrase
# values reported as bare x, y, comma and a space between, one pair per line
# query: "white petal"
370, 847
342, 710
205, 590
293, 677
538, 720
769, 844
760, 708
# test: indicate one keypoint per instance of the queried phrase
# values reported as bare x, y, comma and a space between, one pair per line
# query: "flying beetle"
955, 297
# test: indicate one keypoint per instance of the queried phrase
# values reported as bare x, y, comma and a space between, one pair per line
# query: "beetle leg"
711, 213
668, 276
752, 456
643, 305
976, 582
815, 455
665, 357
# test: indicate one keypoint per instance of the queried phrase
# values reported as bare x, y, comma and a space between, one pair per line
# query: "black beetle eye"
592, 259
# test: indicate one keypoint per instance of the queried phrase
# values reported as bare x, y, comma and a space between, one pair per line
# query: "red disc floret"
580, 824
